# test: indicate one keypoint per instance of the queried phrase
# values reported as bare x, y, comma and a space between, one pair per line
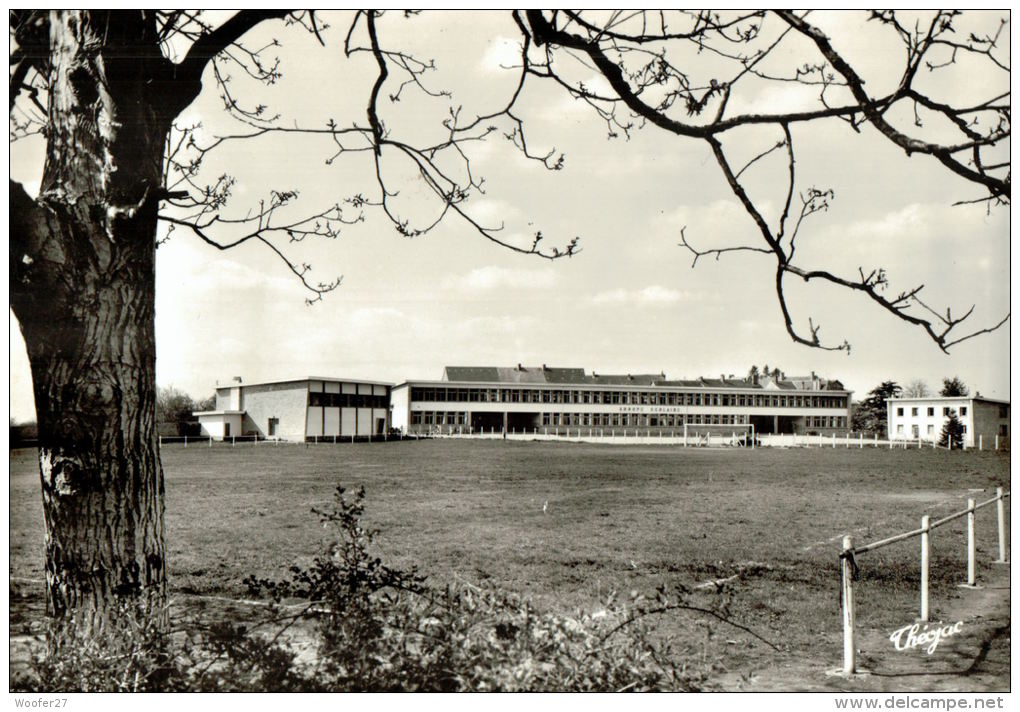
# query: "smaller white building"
303, 409
983, 419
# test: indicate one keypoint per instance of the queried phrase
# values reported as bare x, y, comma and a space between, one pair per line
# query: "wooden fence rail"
848, 564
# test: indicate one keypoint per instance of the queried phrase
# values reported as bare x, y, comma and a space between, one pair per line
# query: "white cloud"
906, 222
501, 54
492, 277
651, 295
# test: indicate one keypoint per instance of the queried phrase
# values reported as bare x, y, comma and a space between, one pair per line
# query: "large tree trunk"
83, 288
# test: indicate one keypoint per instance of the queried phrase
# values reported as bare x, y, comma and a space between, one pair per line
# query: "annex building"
553, 400
983, 419
298, 410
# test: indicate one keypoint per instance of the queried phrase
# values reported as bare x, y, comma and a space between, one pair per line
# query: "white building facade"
558, 400
983, 419
306, 409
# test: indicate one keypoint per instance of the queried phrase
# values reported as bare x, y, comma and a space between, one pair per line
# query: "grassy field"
616, 518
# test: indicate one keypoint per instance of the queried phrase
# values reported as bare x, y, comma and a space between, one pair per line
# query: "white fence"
206, 441
849, 565
619, 436
691, 438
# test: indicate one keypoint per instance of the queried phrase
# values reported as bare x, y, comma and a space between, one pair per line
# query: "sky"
628, 302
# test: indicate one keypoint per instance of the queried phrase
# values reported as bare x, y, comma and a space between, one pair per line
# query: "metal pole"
925, 558
1002, 526
849, 653
971, 546
185, 441
981, 443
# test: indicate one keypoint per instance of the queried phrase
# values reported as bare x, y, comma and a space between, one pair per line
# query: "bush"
367, 626
130, 654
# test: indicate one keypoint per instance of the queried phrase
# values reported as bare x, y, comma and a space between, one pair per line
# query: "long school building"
556, 400
297, 410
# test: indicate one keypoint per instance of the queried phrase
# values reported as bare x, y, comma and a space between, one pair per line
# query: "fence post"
849, 652
1002, 526
996, 443
231, 441
925, 558
848, 441
210, 441
160, 444
834, 441
981, 444
862, 441
185, 441
971, 546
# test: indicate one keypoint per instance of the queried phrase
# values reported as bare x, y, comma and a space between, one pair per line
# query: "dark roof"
626, 379
709, 383
518, 374
553, 375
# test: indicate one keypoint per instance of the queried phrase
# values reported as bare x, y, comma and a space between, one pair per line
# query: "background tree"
106, 89
206, 403
952, 432
174, 408
917, 388
871, 414
954, 387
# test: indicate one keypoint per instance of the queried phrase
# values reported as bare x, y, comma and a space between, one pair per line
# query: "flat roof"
305, 379
940, 399
708, 383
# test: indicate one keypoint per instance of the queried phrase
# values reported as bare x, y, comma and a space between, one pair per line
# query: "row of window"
537, 395
347, 400
914, 412
915, 430
640, 420
821, 421
429, 417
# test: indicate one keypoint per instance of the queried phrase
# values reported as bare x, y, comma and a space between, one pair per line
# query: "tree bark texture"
82, 261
